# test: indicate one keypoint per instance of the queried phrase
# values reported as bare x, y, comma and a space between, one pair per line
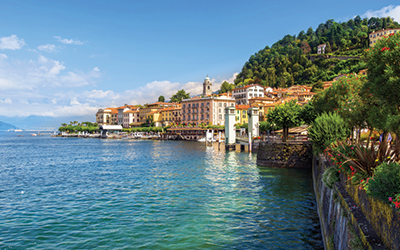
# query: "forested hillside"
293, 59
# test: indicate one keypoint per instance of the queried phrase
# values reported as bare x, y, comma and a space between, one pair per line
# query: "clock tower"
207, 87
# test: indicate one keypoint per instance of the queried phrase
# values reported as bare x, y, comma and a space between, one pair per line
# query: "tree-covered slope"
292, 60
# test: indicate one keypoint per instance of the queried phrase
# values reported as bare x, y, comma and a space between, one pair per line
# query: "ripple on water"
109, 194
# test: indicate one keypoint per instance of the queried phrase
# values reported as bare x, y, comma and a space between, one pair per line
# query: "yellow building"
377, 35
170, 115
107, 116
241, 114
154, 116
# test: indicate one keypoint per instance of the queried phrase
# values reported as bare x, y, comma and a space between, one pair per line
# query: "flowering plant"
395, 201
256, 138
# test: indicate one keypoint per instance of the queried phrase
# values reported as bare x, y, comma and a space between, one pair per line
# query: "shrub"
330, 176
327, 127
385, 183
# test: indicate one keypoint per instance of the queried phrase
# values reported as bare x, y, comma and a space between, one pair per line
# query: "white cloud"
47, 48
6, 100
68, 41
389, 11
100, 94
3, 56
11, 42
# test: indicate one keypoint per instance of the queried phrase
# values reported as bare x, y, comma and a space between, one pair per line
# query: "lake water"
72, 193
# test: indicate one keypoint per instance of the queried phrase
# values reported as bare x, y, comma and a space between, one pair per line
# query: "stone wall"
285, 154
345, 224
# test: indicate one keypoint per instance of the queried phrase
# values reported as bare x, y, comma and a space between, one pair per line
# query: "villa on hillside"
377, 35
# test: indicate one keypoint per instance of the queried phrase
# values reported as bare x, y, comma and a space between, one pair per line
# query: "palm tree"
63, 124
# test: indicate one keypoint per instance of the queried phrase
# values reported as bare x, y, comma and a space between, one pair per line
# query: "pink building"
207, 110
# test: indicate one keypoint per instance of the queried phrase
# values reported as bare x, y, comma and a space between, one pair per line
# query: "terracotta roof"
262, 99
242, 107
131, 111
170, 109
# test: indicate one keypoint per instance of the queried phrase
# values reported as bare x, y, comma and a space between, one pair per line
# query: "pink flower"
390, 199
352, 147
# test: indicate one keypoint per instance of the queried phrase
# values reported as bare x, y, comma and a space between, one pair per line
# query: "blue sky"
69, 58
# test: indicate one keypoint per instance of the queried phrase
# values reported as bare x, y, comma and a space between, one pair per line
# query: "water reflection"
151, 195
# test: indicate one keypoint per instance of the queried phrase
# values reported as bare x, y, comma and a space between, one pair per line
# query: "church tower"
207, 87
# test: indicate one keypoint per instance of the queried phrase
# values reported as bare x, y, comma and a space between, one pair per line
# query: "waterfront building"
154, 116
241, 114
157, 106
121, 111
242, 95
131, 118
377, 35
171, 115
208, 110
107, 116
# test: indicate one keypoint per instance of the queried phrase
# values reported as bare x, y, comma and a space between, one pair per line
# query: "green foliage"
385, 183
327, 127
308, 114
383, 83
76, 127
181, 94
161, 98
286, 115
344, 98
330, 176
226, 87
287, 62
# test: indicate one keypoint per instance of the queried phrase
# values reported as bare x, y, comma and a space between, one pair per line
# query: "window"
208, 116
189, 106
184, 105
225, 105
219, 104
220, 117
202, 104
219, 111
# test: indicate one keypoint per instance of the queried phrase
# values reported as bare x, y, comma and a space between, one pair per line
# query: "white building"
242, 95
129, 117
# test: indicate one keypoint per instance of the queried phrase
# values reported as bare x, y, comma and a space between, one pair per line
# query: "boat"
18, 130
33, 134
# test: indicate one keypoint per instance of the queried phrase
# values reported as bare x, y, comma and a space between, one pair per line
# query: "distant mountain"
6, 126
34, 122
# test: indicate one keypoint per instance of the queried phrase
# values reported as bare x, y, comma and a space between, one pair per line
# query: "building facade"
130, 117
377, 35
207, 87
242, 95
207, 110
107, 116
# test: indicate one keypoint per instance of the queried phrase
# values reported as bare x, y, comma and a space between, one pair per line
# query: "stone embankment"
292, 154
351, 220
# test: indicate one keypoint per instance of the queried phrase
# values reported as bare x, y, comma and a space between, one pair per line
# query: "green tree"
226, 87
384, 81
161, 98
286, 115
327, 128
181, 94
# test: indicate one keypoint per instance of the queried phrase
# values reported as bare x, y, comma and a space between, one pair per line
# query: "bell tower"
207, 87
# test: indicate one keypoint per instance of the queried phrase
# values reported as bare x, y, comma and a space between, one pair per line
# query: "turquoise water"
70, 193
